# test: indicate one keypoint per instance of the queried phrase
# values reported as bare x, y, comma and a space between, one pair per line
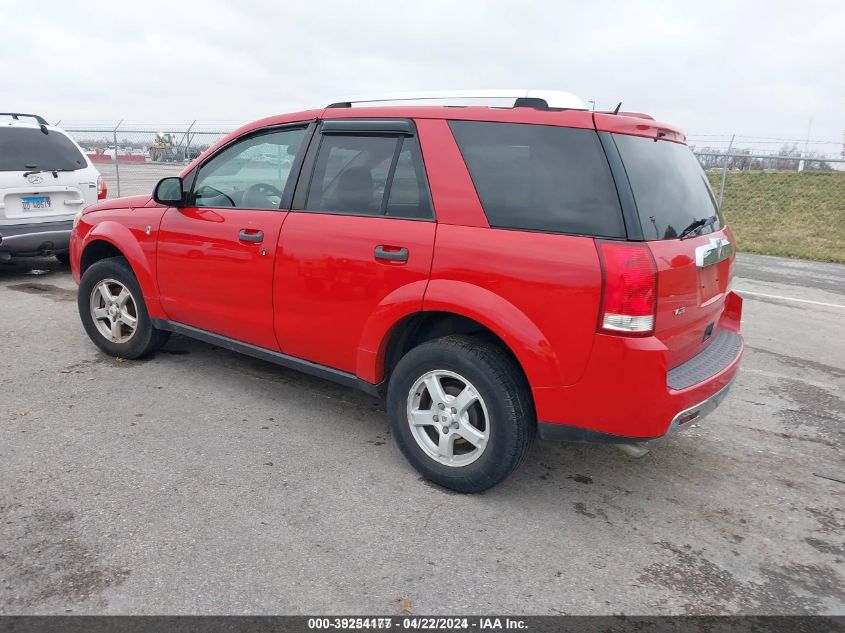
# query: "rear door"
216, 255
362, 230
692, 248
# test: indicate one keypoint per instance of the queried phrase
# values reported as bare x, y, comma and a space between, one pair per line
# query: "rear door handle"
251, 236
394, 255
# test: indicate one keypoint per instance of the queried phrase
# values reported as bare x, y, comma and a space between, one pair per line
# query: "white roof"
495, 98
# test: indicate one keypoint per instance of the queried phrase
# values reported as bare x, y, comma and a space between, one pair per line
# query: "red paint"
127, 202
623, 389
452, 191
210, 279
329, 284
538, 292
700, 293
125, 229
635, 126
314, 289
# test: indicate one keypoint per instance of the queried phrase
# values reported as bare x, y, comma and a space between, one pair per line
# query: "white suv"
45, 179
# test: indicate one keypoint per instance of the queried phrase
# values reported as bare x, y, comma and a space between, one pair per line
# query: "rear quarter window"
541, 178
26, 148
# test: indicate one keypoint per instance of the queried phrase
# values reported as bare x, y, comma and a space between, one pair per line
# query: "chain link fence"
780, 196
133, 156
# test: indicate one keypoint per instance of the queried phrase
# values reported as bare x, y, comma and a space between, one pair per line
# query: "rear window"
541, 178
669, 186
24, 149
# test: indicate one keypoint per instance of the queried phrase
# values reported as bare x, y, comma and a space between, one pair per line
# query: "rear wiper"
41, 171
695, 228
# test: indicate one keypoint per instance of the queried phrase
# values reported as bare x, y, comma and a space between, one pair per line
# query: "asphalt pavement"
202, 481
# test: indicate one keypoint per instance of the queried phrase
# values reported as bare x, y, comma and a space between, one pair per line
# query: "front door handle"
248, 235
394, 255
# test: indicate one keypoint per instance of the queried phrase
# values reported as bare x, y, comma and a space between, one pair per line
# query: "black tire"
63, 258
146, 339
499, 381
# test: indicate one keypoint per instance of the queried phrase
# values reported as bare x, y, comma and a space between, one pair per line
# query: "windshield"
28, 149
669, 186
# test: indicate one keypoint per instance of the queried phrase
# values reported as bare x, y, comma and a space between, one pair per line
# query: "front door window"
251, 174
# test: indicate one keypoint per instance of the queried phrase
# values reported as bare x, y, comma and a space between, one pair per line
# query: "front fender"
530, 346
139, 250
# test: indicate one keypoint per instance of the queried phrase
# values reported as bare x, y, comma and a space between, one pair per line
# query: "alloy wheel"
114, 311
448, 418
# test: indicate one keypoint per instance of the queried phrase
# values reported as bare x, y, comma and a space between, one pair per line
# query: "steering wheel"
258, 195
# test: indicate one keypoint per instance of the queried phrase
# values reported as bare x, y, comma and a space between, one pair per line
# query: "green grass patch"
793, 214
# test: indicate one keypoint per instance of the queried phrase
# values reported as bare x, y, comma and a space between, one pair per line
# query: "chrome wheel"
114, 311
448, 418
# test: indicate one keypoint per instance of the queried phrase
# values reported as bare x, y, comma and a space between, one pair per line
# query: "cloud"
715, 67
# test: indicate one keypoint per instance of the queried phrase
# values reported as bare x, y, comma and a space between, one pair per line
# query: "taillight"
102, 189
629, 288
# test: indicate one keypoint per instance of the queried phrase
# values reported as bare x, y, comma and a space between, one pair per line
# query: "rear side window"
541, 178
25, 149
669, 186
369, 175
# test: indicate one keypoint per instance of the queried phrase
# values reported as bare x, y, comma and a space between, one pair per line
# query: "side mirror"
169, 191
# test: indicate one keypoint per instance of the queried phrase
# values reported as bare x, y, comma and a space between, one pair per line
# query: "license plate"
35, 202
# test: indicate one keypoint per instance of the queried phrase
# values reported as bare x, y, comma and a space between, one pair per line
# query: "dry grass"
786, 213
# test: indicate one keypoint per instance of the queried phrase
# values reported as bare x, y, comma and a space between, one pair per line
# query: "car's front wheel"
461, 412
113, 312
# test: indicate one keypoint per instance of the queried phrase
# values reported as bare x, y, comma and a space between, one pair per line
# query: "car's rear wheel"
461, 412
113, 312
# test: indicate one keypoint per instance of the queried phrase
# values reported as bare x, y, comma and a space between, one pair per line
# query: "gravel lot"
201, 481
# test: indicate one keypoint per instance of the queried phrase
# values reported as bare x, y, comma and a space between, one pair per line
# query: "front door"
363, 238
216, 255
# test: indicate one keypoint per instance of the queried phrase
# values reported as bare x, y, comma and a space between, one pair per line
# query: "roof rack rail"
539, 99
17, 115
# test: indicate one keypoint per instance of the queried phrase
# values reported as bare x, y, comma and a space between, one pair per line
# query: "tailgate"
43, 174
693, 279
683, 227
42, 204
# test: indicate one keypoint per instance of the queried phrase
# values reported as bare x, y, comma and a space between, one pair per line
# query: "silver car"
45, 178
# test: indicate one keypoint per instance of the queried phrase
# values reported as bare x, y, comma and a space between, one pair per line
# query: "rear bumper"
699, 411
35, 239
627, 393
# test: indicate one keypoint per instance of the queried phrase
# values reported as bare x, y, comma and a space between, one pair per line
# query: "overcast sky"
715, 67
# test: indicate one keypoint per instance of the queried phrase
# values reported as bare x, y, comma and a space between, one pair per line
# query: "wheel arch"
461, 308
417, 328
111, 239
96, 250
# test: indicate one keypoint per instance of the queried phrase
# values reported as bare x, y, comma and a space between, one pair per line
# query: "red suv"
495, 272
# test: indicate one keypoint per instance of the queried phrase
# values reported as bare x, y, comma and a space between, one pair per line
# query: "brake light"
102, 188
629, 288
